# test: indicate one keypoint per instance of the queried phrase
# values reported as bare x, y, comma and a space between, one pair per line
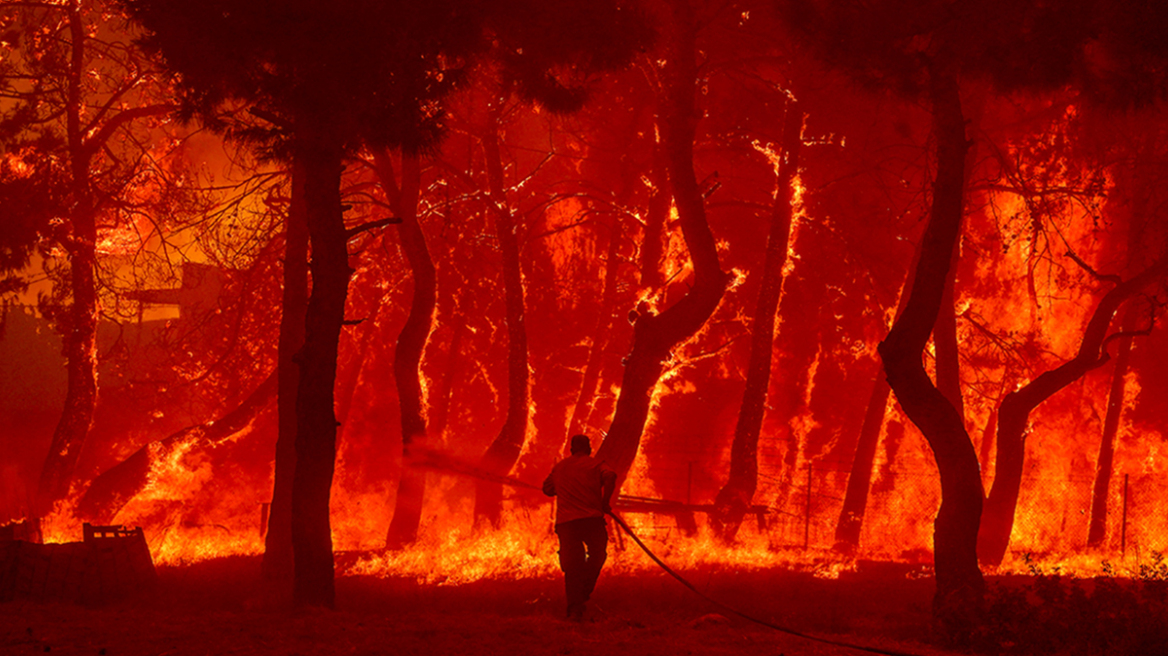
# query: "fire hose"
430, 459
734, 611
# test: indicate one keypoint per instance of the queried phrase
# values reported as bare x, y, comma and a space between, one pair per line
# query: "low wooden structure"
111, 564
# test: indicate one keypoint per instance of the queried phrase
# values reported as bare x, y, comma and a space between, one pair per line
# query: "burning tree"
655, 335
934, 46
82, 103
340, 80
343, 76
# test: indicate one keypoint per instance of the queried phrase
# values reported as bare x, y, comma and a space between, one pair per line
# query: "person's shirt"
577, 482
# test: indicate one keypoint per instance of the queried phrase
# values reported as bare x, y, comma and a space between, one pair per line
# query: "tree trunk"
109, 492
277, 565
79, 329
349, 373
403, 529
316, 425
451, 375
1014, 416
851, 519
987, 439
656, 335
960, 586
586, 399
504, 451
735, 497
1098, 527
948, 363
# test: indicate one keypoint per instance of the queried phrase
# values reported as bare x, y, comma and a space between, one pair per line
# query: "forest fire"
855, 293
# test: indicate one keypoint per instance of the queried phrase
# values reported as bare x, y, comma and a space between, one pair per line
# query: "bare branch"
370, 225
1112, 278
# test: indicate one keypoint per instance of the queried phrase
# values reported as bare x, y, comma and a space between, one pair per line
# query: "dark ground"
216, 608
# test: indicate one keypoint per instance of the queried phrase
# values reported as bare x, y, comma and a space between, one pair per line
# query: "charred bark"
948, 363
1014, 416
80, 324
403, 529
656, 335
111, 490
504, 451
316, 424
277, 565
1097, 529
960, 586
734, 499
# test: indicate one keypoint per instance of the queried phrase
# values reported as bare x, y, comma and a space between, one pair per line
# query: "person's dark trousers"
583, 550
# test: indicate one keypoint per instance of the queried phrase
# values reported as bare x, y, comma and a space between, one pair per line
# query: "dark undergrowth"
1046, 613
219, 606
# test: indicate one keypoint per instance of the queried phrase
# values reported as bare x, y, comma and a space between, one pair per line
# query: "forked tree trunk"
960, 586
115, 487
586, 399
403, 528
656, 335
735, 497
79, 329
1014, 416
316, 425
277, 565
504, 451
1097, 529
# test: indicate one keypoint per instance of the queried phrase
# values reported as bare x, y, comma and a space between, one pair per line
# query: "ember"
832, 287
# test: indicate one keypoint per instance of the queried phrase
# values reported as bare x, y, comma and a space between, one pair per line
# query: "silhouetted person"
583, 488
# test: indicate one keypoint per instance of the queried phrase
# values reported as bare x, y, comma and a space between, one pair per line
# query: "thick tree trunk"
1014, 416
656, 335
109, 492
586, 399
1097, 529
277, 565
403, 529
735, 497
948, 364
80, 323
504, 451
960, 586
316, 425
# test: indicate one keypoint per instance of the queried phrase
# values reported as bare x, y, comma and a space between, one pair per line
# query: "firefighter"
583, 487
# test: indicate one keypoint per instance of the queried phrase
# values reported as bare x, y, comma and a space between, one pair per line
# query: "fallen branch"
114, 488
